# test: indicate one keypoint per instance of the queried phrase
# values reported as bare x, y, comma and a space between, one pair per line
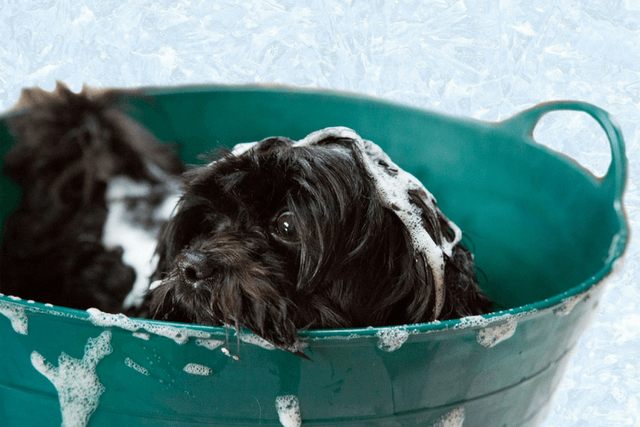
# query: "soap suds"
63, 312
493, 335
251, 338
568, 304
391, 339
337, 337
179, 335
288, 408
210, 344
472, 322
243, 147
100, 318
455, 418
133, 365
195, 369
17, 316
142, 335
256, 340
494, 329
79, 388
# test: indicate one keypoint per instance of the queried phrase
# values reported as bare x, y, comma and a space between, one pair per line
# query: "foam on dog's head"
394, 186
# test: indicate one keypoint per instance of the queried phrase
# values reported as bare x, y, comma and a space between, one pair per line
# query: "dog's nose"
194, 266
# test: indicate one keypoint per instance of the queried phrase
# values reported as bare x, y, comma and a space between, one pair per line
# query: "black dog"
277, 236
86, 170
322, 233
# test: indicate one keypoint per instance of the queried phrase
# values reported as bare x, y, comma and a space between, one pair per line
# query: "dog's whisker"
237, 338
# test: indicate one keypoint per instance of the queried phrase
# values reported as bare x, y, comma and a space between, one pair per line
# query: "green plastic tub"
546, 234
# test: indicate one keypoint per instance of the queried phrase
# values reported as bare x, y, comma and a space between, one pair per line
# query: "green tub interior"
541, 227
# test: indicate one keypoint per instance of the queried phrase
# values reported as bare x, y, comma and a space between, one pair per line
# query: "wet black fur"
223, 261
68, 146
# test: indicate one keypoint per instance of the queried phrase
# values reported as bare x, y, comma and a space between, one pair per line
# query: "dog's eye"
286, 226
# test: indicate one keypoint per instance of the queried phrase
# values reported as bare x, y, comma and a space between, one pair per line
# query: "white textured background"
486, 59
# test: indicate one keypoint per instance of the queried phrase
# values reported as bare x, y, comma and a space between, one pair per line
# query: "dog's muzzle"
194, 267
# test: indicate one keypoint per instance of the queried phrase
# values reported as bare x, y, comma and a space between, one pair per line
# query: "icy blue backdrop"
484, 59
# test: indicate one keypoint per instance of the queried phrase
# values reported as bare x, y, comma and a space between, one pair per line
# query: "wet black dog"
322, 233
78, 159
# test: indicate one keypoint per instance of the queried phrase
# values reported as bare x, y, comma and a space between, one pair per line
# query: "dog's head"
70, 148
71, 145
281, 235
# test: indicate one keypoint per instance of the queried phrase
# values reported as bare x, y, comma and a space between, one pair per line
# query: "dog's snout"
195, 266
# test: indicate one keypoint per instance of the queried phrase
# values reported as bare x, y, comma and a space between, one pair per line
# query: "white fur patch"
122, 227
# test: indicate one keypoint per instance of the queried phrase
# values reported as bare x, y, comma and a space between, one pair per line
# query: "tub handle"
523, 124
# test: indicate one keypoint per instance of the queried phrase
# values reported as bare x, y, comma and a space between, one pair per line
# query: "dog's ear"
407, 290
463, 297
415, 293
